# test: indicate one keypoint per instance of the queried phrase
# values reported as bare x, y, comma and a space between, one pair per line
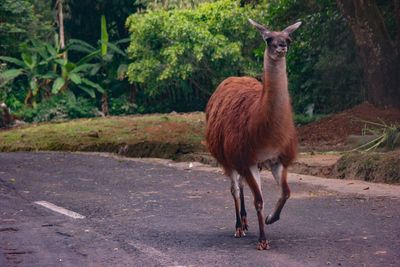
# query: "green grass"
107, 133
369, 166
158, 135
174, 136
301, 119
110, 134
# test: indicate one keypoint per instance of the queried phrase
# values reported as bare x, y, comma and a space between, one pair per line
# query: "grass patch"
301, 119
158, 135
369, 166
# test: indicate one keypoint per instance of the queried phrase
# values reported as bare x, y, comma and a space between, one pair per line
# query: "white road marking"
61, 210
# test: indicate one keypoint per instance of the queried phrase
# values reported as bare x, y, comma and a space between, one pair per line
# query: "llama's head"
277, 42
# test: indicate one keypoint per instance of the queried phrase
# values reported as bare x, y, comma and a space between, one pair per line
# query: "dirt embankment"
373, 167
180, 137
331, 133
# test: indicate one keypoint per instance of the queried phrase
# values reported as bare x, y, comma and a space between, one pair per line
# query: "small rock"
93, 134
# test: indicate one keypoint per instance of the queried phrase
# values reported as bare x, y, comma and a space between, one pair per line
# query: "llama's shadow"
225, 240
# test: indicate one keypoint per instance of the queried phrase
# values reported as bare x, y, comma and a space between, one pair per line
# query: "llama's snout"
281, 52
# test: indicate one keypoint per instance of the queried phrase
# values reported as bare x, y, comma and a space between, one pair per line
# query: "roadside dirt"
381, 167
324, 144
331, 133
181, 137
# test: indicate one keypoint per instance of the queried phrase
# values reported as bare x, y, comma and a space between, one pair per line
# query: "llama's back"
228, 116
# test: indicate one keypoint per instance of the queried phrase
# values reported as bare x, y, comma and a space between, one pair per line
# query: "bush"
301, 119
323, 67
58, 108
180, 56
121, 106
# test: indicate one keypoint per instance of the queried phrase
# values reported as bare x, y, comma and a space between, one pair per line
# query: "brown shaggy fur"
244, 119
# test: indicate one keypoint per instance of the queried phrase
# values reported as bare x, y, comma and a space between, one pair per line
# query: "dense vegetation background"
128, 56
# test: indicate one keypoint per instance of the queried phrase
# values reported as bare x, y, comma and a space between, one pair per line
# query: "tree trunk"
378, 52
61, 26
132, 95
104, 104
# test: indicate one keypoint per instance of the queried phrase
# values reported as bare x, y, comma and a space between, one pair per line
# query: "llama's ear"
264, 31
292, 28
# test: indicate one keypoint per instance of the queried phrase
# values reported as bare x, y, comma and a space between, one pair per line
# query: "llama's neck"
275, 99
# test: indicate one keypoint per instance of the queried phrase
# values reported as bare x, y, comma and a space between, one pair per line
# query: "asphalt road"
140, 213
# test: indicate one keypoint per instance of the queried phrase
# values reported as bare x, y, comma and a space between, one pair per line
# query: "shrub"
58, 108
121, 106
322, 63
180, 56
300, 119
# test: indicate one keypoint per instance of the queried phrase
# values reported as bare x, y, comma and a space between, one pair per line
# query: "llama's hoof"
271, 219
245, 226
239, 232
263, 245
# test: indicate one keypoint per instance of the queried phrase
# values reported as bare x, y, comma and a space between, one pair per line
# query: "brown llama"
250, 124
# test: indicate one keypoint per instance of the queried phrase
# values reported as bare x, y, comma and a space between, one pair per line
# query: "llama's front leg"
236, 197
254, 182
280, 174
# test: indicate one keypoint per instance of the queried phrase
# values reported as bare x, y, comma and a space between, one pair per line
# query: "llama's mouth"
281, 54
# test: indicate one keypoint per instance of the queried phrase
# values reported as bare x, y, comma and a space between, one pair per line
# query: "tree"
378, 49
60, 22
109, 64
324, 69
46, 72
180, 56
35, 65
19, 21
83, 21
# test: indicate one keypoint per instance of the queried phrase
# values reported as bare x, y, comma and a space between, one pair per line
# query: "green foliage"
179, 56
58, 108
179, 52
83, 20
20, 20
34, 66
172, 4
46, 73
122, 106
301, 119
108, 64
323, 66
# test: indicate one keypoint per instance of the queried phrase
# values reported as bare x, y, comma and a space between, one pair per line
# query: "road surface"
157, 213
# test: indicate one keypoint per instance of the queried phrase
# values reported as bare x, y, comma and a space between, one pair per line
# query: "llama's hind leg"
254, 182
243, 213
236, 193
280, 174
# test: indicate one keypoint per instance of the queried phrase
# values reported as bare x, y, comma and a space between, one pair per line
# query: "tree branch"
397, 17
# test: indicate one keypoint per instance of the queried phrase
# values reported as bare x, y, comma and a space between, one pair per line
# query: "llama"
249, 125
